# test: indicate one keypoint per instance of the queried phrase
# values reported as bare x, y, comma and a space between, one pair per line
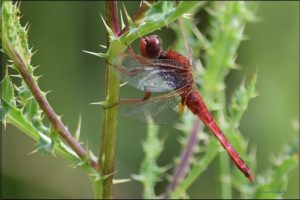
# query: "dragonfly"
170, 74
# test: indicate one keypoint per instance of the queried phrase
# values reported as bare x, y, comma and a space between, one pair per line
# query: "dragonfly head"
150, 46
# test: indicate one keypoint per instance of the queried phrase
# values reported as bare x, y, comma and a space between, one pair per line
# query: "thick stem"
97, 188
108, 142
48, 110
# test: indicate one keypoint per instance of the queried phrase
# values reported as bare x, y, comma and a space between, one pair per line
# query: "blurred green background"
61, 30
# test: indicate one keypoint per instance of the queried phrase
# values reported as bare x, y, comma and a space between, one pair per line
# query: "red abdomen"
195, 103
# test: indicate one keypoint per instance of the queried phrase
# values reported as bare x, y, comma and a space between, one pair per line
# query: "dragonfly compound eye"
150, 46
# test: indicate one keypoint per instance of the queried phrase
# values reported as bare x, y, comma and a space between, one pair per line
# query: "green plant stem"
97, 188
150, 170
226, 185
226, 192
107, 152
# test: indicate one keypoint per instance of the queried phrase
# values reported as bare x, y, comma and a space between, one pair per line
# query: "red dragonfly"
167, 71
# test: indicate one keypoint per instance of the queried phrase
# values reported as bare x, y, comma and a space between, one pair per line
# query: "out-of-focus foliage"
150, 172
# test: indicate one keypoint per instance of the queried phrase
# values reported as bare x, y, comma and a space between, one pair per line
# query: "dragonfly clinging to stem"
169, 73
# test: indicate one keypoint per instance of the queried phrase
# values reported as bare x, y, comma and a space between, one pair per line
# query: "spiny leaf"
157, 16
101, 55
26, 116
108, 29
226, 32
240, 101
77, 132
4, 111
32, 108
273, 184
16, 117
101, 103
7, 90
46, 146
129, 20
118, 181
103, 46
159, 8
121, 19
150, 173
123, 84
6, 98
96, 176
14, 36
83, 162
15, 75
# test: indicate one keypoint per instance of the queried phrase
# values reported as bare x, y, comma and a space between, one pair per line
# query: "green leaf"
272, 183
7, 89
118, 181
129, 20
7, 96
240, 101
14, 36
158, 15
16, 117
32, 109
159, 10
226, 32
46, 146
150, 172
4, 111
108, 29
77, 132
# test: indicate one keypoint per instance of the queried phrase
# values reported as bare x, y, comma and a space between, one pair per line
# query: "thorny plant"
24, 105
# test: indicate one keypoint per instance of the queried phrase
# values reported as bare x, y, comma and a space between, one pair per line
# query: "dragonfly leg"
130, 72
130, 50
147, 95
128, 101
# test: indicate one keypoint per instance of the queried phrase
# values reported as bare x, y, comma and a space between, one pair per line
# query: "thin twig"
48, 110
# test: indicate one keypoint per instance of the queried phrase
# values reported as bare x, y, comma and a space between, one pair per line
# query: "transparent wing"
160, 75
157, 110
